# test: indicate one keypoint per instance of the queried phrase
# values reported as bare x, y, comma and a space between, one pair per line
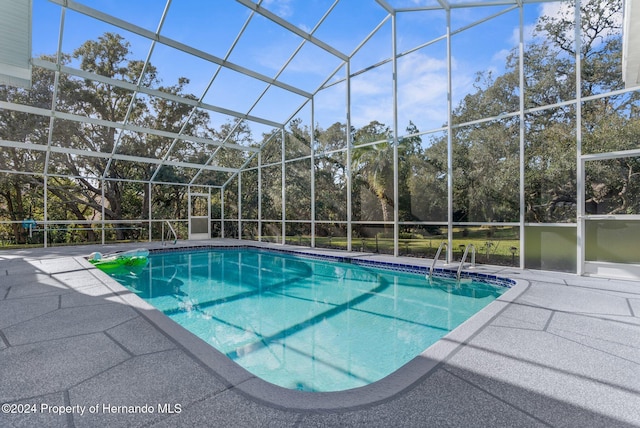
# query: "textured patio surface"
566, 353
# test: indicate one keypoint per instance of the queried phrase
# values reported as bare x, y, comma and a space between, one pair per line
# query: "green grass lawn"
495, 245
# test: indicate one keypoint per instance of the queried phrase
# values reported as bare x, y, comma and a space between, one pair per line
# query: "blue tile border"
438, 272
397, 267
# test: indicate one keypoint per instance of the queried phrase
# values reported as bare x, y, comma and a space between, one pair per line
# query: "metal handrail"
175, 236
464, 257
435, 259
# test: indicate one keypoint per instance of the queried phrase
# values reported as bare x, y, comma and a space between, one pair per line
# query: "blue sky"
212, 26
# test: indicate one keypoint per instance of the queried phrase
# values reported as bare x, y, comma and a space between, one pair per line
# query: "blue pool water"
304, 323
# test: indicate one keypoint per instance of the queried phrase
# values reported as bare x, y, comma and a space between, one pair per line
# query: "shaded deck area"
565, 352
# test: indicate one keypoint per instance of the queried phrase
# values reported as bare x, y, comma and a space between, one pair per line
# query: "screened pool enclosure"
386, 126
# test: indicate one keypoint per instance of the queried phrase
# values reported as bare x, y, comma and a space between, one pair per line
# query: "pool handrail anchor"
464, 258
175, 236
436, 257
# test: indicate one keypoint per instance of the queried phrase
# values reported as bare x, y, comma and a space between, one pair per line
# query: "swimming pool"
303, 323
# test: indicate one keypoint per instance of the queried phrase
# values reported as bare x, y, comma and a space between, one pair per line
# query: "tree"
608, 123
372, 173
298, 176
18, 195
331, 176
486, 154
108, 56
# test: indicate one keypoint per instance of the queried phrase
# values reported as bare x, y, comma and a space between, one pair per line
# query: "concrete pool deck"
77, 351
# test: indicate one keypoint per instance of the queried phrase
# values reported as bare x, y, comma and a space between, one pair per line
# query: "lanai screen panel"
378, 116
173, 72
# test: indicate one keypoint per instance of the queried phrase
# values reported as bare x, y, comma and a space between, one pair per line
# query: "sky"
212, 27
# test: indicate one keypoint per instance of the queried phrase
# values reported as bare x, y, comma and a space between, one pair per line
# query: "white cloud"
422, 91
282, 8
272, 56
528, 31
501, 56
422, 80
304, 27
371, 97
557, 9
371, 83
422, 94
330, 106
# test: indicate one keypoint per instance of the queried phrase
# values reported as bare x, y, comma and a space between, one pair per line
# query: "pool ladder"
437, 256
464, 258
175, 237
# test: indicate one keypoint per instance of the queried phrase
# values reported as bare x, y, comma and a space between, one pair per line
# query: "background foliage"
486, 153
